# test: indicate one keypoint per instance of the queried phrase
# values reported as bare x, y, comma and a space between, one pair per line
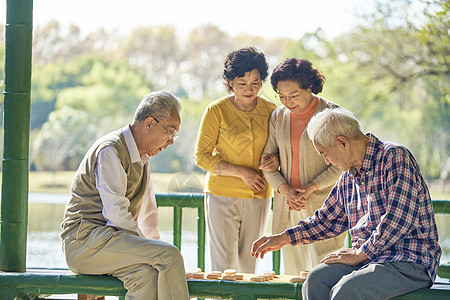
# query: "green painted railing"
37, 282
180, 200
195, 200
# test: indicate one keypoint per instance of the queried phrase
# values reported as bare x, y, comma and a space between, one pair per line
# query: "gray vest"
85, 203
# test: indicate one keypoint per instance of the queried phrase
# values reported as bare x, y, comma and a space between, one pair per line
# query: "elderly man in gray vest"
111, 222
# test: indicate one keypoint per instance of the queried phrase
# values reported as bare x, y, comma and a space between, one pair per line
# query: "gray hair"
159, 104
327, 125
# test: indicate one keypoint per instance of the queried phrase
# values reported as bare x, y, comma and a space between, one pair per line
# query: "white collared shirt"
111, 182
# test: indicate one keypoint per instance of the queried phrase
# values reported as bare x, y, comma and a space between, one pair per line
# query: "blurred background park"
93, 61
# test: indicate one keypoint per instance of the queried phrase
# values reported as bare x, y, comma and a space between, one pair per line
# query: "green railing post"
177, 226
16, 124
201, 229
276, 261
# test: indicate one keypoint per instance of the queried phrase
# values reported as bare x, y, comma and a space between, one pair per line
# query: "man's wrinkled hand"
269, 243
350, 257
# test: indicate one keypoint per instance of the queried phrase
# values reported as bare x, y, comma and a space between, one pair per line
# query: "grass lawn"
59, 182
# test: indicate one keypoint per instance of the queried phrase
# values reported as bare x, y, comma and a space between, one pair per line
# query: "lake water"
46, 211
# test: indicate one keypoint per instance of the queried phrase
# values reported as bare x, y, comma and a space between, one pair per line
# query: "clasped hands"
296, 198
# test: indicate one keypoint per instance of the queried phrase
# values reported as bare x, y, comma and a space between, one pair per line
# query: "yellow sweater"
234, 136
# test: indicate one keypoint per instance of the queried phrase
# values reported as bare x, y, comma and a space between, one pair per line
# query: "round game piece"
216, 272
229, 277
297, 280
268, 278
228, 272
212, 276
270, 274
257, 279
304, 273
200, 275
195, 270
238, 276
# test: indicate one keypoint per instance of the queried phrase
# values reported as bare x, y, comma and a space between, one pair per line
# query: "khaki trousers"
305, 257
233, 224
149, 269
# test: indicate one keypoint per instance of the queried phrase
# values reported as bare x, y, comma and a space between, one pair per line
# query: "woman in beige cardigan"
304, 180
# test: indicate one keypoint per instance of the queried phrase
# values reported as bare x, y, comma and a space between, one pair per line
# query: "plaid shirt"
385, 206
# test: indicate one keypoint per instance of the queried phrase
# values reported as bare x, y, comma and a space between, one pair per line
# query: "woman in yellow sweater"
304, 180
230, 142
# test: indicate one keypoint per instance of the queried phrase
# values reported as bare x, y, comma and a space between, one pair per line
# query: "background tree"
91, 96
156, 50
62, 140
403, 56
205, 51
392, 72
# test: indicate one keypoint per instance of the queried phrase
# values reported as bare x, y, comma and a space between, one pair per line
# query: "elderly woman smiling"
230, 141
304, 180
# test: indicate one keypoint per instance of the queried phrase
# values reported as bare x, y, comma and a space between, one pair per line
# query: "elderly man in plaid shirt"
384, 202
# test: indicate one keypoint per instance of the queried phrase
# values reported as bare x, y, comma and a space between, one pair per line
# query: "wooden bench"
44, 282
41, 282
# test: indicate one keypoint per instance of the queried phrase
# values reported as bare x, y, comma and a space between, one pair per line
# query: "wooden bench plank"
48, 282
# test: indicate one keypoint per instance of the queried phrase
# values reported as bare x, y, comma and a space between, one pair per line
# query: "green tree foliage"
91, 97
206, 48
180, 156
90, 83
105, 89
156, 50
392, 72
62, 140
405, 55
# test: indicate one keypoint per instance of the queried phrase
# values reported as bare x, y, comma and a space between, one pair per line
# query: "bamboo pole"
16, 124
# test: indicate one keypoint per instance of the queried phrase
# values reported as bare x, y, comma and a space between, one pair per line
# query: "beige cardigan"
312, 167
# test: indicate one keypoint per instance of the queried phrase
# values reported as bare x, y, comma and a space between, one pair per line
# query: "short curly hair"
241, 61
300, 71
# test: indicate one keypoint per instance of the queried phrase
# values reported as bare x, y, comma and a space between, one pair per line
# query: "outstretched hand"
269, 243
